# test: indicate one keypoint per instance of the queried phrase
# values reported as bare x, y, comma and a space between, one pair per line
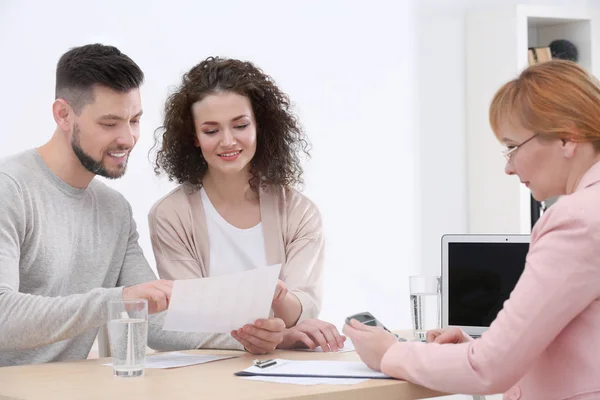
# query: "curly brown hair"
280, 138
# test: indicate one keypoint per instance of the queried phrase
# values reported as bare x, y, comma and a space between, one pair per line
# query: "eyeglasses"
508, 152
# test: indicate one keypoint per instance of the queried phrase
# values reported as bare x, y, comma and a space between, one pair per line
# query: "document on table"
315, 369
222, 303
306, 381
178, 359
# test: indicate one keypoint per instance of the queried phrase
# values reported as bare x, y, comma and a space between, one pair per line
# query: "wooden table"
89, 379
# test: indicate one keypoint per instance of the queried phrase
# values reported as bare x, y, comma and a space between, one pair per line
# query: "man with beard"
68, 243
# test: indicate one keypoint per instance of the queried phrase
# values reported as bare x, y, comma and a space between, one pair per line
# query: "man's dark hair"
81, 68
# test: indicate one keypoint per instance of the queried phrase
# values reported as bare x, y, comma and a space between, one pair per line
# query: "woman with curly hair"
231, 141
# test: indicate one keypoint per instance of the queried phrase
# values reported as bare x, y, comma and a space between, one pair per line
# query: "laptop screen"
480, 278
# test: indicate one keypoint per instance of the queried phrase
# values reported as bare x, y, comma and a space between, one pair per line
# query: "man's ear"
63, 115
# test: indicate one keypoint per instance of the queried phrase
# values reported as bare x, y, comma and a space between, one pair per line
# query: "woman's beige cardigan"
293, 236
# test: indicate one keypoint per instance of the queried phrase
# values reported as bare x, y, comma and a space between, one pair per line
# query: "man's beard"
95, 167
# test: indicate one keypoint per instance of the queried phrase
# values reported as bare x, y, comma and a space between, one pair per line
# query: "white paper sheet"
222, 303
306, 381
348, 346
177, 359
318, 368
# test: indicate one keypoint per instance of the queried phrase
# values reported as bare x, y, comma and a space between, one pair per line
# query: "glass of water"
425, 300
128, 336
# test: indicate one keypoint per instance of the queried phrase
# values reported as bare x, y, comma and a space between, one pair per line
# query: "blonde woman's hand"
371, 343
447, 336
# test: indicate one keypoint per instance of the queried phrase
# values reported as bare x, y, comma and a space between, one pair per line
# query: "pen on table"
264, 364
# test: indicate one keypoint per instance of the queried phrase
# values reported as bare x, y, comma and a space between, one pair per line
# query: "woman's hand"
262, 337
281, 291
312, 333
445, 336
286, 305
371, 343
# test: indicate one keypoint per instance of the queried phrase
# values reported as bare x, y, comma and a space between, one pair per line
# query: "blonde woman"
545, 343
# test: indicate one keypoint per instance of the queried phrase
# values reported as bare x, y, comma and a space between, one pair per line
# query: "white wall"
348, 66
442, 141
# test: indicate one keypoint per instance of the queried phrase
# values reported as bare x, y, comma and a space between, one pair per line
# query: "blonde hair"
551, 99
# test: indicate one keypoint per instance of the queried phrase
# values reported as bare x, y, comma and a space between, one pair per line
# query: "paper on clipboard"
315, 369
305, 381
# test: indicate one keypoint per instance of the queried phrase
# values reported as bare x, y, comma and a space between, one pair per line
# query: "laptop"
478, 274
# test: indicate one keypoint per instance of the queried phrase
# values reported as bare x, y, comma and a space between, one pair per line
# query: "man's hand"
158, 294
262, 337
312, 333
